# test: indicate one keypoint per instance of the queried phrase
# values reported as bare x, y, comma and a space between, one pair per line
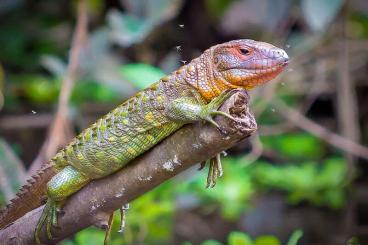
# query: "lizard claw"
123, 210
223, 130
220, 128
202, 165
60, 212
221, 113
49, 218
108, 229
215, 171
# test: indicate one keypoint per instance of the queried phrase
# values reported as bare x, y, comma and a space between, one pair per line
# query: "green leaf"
239, 238
67, 242
231, 194
13, 170
39, 89
127, 29
141, 75
319, 184
153, 11
142, 17
318, 14
267, 240
156, 208
91, 236
353, 241
217, 8
295, 145
295, 237
93, 91
159, 11
211, 242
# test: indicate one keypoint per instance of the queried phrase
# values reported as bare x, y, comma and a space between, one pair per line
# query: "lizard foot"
108, 229
122, 210
212, 110
48, 217
215, 170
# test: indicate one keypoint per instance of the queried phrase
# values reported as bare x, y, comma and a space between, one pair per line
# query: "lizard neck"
200, 74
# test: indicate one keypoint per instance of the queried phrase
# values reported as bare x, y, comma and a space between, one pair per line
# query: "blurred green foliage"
319, 184
141, 75
295, 145
353, 241
150, 216
231, 194
38, 90
12, 171
94, 236
216, 8
240, 238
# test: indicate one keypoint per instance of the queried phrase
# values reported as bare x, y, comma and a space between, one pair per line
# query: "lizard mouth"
250, 78
262, 70
261, 65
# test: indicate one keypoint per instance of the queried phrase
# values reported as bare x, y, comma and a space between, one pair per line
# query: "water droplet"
181, 25
273, 109
287, 46
178, 48
33, 112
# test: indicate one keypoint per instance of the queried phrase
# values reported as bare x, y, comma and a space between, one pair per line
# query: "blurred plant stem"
347, 106
317, 130
60, 131
347, 112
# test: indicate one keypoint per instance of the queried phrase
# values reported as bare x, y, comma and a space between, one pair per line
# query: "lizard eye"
244, 51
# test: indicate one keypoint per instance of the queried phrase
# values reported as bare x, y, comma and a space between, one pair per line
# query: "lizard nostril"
281, 55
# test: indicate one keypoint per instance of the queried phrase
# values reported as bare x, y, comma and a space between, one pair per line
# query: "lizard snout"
280, 56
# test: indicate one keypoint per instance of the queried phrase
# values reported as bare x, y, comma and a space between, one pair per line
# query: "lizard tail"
30, 196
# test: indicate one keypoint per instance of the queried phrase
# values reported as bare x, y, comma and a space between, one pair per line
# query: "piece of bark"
93, 204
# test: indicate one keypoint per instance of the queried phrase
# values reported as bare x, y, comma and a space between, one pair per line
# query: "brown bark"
94, 203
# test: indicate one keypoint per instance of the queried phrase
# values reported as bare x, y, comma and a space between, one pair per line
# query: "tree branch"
317, 130
93, 204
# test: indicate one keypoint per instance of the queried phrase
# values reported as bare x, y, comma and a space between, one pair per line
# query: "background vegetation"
301, 180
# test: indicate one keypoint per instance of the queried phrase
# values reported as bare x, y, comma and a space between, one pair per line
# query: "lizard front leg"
188, 110
65, 183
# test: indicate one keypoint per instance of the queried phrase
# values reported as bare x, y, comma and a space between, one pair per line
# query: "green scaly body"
123, 134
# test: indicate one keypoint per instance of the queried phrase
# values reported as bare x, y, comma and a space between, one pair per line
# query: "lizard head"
247, 63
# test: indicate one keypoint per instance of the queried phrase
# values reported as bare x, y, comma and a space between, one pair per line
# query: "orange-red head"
247, 63
236, 64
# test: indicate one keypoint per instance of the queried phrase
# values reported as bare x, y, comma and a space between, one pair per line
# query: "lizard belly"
105, 156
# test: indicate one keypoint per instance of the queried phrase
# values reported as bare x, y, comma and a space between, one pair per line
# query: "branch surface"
93, 204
